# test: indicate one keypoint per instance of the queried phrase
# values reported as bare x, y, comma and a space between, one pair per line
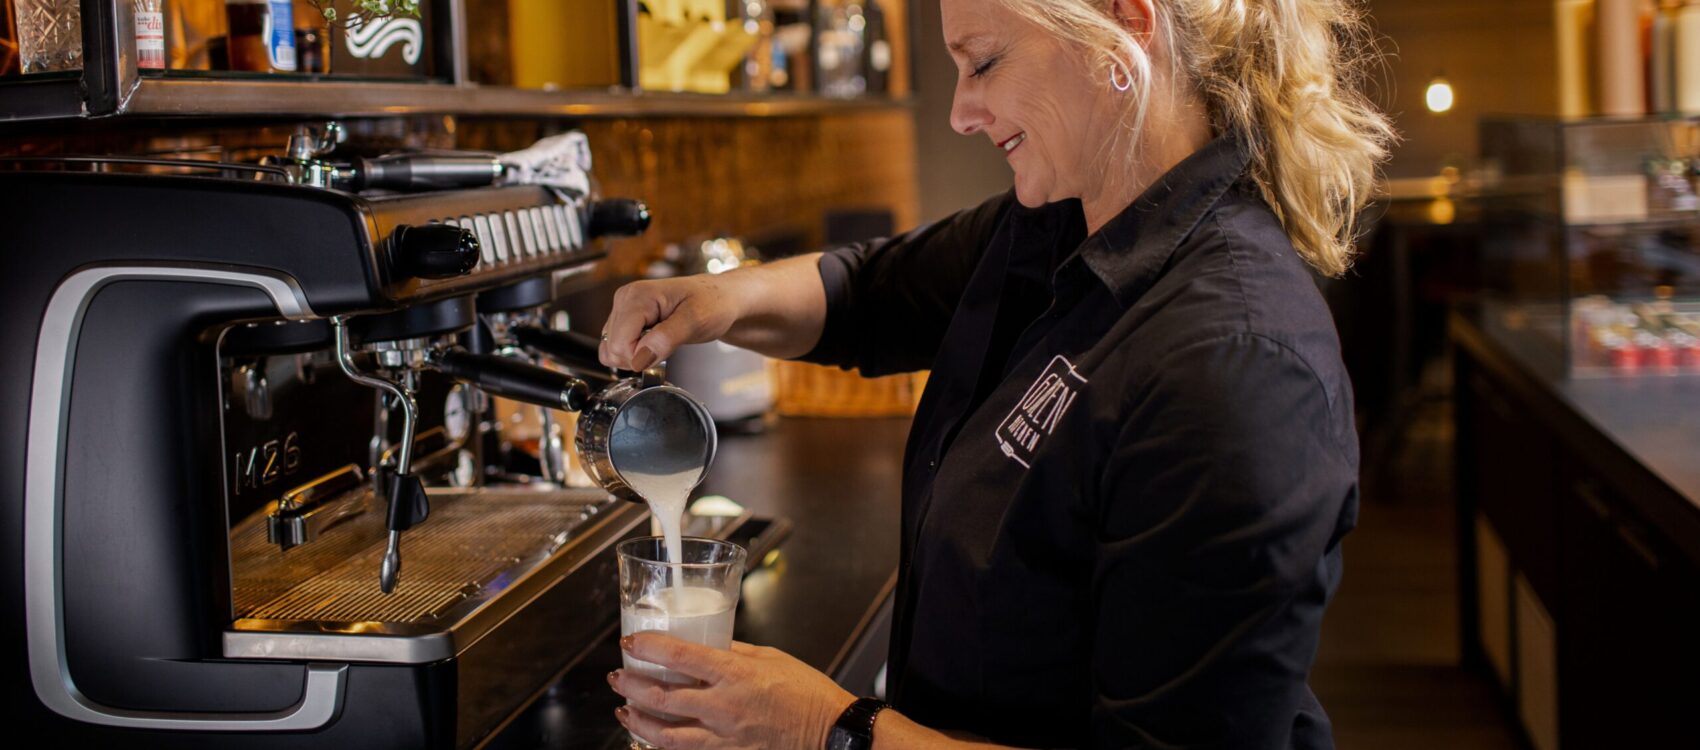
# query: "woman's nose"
967, 115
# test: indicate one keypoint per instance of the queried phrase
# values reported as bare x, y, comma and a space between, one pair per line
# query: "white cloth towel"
559, 161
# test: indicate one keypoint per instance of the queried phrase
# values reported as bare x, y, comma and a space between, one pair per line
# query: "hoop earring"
1119, 86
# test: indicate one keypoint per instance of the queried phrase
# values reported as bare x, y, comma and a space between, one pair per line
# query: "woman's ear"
1138, 17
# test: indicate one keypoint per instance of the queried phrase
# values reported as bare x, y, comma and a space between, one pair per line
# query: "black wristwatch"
855, 727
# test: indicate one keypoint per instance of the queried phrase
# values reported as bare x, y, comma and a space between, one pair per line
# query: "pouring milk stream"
697, 614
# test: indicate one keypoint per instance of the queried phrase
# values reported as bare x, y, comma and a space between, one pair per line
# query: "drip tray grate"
474, 541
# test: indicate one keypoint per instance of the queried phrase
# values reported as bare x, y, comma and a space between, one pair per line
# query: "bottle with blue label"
262, 35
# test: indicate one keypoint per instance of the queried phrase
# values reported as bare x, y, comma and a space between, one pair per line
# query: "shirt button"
932, 464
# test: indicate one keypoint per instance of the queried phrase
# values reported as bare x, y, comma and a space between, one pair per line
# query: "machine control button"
432, 251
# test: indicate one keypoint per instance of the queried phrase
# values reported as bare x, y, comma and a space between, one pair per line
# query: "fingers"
711, 665
669, 735
657, 697
658, 342
637, 306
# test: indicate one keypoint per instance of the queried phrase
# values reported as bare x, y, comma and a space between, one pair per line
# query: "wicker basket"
808, 390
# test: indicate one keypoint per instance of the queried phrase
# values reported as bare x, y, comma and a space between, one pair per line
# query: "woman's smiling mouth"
1013, 141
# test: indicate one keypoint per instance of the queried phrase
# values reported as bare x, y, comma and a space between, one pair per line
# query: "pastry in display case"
1591, 238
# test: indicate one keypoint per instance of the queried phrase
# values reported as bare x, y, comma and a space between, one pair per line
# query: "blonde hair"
1285, 76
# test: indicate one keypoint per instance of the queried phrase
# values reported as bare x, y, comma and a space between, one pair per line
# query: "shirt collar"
1130, 251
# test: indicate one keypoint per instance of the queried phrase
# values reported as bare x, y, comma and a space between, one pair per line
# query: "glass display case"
1592, 234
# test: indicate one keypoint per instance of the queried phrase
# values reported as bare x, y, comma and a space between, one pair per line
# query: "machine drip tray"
482, 554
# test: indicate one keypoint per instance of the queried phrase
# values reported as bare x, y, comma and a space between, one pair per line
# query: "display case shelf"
169, 97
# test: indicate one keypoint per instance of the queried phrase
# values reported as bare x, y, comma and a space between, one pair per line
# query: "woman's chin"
1029, 195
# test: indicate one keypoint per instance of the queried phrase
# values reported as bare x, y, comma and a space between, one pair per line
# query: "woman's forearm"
781, 306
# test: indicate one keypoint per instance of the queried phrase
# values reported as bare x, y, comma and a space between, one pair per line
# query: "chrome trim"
418, 649
44, 615
100, 163
307, 510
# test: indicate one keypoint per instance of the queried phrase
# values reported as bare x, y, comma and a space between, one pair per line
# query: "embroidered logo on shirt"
1039, 410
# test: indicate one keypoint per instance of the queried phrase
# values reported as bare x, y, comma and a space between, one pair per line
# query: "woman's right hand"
651, 319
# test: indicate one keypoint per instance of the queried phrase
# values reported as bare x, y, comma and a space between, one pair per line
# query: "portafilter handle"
668, 425
510, 378
578, 352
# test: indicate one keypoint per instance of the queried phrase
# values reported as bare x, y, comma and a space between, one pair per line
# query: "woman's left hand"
749, 697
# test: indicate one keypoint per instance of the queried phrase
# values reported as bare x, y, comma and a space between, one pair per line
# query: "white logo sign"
1039, 410
371, 41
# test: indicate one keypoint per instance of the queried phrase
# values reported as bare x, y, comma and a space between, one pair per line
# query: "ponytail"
1284, 76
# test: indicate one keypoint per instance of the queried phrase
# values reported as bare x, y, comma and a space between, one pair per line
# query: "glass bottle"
262, 35
150, 35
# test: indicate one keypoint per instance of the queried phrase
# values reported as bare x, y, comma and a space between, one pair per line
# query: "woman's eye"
981, 69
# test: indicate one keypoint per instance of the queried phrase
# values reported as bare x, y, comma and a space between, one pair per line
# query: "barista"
1127, 481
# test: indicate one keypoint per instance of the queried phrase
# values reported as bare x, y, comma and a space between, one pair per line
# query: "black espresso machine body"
168, 375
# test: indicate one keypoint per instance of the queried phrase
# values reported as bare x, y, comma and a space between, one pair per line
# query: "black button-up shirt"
1128, 478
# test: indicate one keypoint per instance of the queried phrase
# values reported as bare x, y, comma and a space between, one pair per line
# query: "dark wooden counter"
1579, 528
1642, 431
837, 481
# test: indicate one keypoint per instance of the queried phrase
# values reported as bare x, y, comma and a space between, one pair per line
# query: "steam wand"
408, 502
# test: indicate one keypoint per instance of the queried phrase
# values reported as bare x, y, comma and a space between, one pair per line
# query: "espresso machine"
248, 483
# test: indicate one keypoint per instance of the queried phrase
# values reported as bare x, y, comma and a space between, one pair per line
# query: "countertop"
1644, 428
837, 481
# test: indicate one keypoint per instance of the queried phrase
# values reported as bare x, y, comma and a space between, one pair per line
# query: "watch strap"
854, 729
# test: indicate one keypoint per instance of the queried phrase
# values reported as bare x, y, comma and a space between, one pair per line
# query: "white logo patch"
1039, 410
373, 41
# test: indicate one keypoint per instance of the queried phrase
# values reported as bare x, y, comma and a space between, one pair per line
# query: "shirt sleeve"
1223, 504
889, 301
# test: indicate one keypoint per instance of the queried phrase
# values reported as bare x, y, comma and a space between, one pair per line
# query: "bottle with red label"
150, 35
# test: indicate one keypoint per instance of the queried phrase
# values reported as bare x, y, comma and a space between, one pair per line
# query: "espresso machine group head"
228, 391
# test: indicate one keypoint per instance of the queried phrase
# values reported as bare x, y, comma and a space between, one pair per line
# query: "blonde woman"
1127, 481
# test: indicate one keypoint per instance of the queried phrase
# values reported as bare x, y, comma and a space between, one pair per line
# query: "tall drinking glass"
693, 599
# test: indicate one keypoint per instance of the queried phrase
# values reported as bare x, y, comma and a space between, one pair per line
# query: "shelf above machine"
199, 97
